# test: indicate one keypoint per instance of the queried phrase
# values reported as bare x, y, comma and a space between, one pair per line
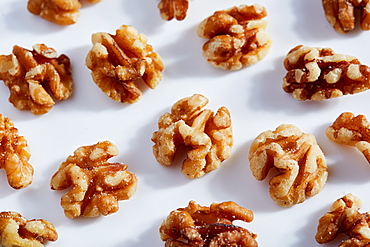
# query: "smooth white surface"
253, 95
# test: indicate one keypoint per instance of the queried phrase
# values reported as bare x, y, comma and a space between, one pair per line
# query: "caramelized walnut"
319, 73
351, 130
14, 155
208, 135
97, 185
15, 230
298, 159
341, 14
237, 37
344, 217
118, 61
61, 12
170, 9
35, 77
197, 225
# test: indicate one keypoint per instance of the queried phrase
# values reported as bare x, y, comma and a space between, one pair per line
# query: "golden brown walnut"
207, 135
61, 12
14, 155
344, 217
300, 163
197, 225
170, 9
119, 61
15, 230
319, 73
97, 185
341, 14
351, 130
35, 77
237, 37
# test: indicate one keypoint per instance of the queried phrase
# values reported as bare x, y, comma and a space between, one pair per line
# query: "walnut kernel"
170, 9
298, 159
97, 185
237, 37
208, 135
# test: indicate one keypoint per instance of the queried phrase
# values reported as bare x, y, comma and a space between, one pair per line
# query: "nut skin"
208, 135
320, 73
118, 61
300, 163
15, 230
352, 130
36, 77
197, 225
344, 217
170, 9
236, 37
14, 155
97, 185
341, 14
61, 12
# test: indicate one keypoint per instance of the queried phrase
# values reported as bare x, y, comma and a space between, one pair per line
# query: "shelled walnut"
344, 217
237, 37
35, 77
300, 163
207, 135
119, 61
170, 9
319, 73
15, 230
14, 155
61, 12
197, 225
341, 14
97, 185
351, 130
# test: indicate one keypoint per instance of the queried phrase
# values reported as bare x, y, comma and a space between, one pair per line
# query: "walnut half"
300, 163
97, 185
319, 73
212, 226
170, 9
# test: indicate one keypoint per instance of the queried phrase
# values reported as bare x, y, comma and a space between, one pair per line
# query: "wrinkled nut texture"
300, 163
344, 217
197, 225
15, 230
351, 130
170, 9
319, 73
61, 12
35, 77
207, 135
341, 14
118, 61
237, 37
14, 155
97, 185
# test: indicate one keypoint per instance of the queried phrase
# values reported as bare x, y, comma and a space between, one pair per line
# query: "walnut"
35, 77
14, 155
351, 130
207, 135
298, 159
97, 185
341, 14
197, 225
319, 73
237, 37
118, 61
15, 230
344, 217
170, 9
61, 12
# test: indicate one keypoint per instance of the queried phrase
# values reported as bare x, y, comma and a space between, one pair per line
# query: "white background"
253, 95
